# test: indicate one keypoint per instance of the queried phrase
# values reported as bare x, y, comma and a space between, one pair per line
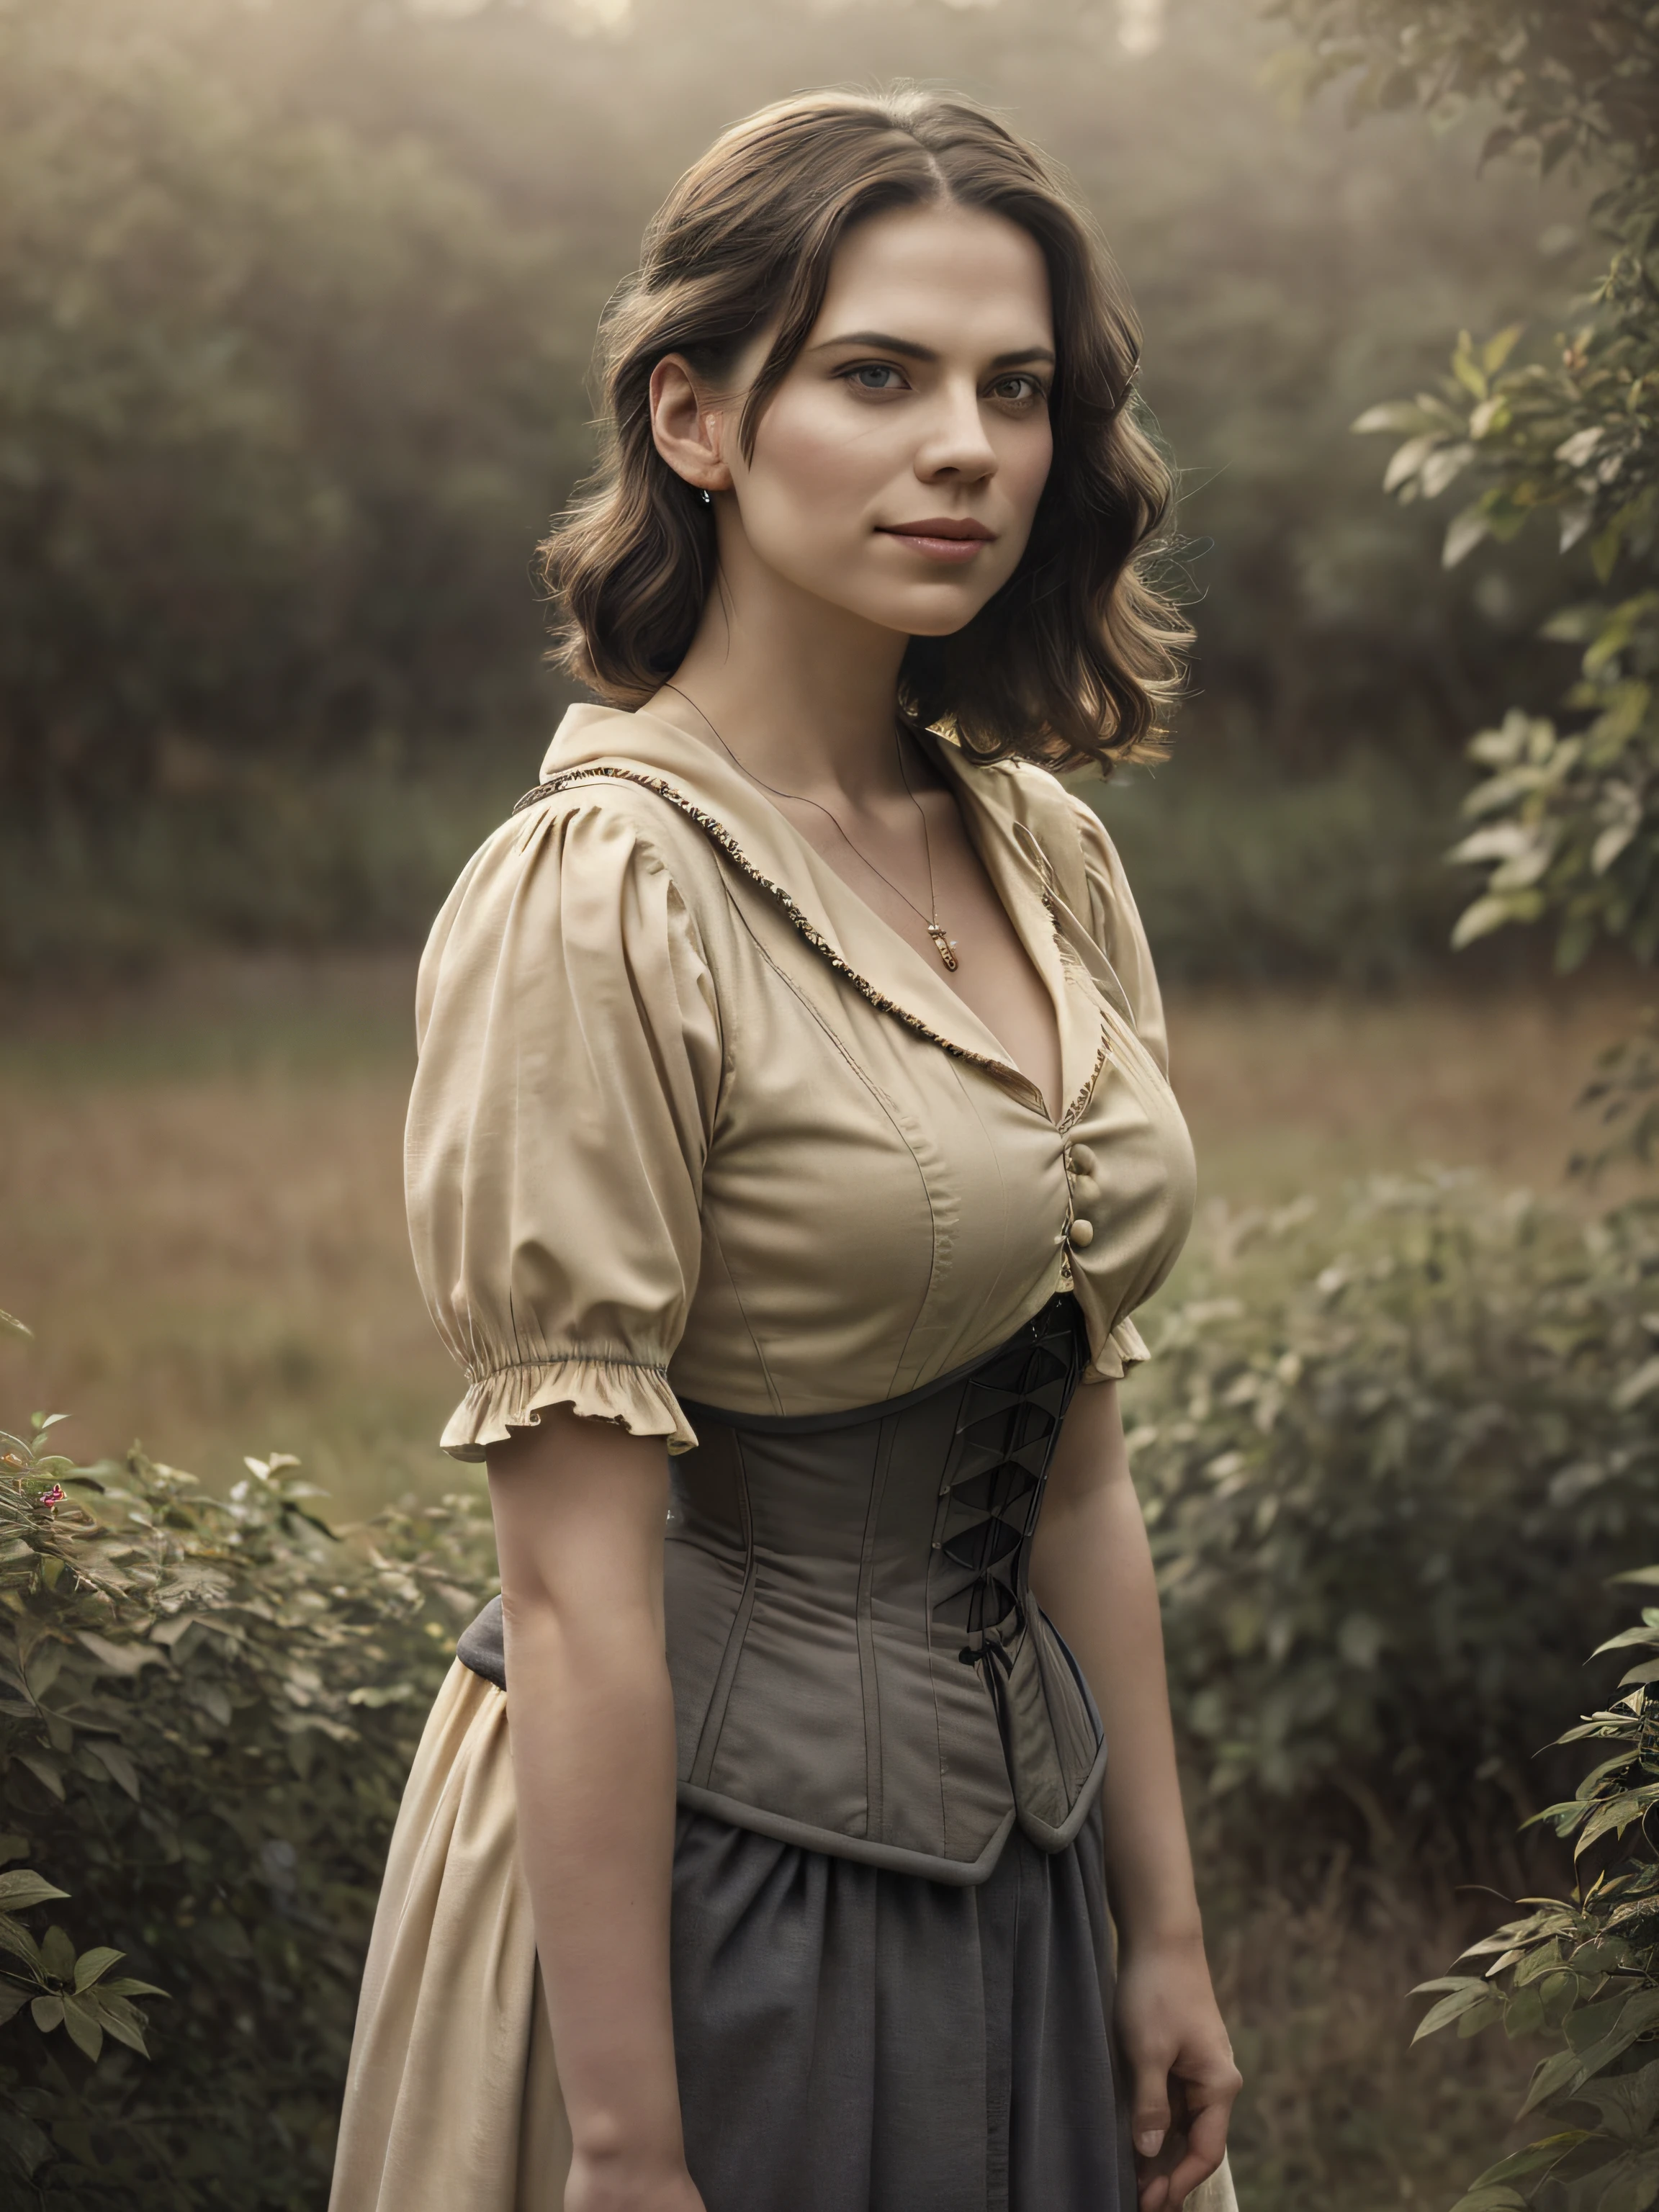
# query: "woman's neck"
802, 693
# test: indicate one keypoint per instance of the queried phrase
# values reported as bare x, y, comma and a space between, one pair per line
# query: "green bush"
1387, 1465
207, 1712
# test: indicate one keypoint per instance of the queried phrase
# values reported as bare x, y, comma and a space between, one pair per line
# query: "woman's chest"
878, 1208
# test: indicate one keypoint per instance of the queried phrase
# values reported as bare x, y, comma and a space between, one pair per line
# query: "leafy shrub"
207, 1712
1584, 1972
1568, 822
1387, 1465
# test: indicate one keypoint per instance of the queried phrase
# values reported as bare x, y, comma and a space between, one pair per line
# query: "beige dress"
692, 1123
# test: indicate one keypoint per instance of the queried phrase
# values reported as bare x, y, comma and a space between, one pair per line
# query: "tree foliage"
278, 421
1567, 821
1583, 1973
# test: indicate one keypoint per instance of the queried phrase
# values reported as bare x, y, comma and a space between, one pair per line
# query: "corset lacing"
991, 1497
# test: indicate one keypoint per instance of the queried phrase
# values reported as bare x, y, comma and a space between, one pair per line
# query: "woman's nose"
956, 443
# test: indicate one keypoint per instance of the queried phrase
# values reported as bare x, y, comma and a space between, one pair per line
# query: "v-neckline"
759, 838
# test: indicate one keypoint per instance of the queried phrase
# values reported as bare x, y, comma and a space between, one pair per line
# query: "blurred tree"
275, 425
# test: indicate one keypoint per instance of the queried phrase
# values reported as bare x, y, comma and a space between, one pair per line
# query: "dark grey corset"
857, 1664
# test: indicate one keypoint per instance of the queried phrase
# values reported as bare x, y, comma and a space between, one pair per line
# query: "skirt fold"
848, 2039
453, 2100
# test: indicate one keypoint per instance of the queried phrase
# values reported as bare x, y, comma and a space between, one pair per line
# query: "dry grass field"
199, 1190
200, 1184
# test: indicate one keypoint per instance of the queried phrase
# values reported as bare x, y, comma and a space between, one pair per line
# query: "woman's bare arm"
1091, 1572
579, 1508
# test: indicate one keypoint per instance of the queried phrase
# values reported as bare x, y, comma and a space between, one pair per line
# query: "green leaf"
1465, 1993
92, 1966
119, 1658
1562, 2070
23, 1887
45, 1770
1605, 548
119, 2019
1463, 533
1627, 2103
85, 2031
1638, 2015
1633, 2184
47, 2013
1498, 347
1548, 2150
115, 1762
1405, 418
13, 1997
57, 1955
16, 1939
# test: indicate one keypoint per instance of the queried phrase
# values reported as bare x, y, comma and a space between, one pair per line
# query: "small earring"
706, 499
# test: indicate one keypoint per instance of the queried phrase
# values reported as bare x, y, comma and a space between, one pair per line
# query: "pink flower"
55, 1496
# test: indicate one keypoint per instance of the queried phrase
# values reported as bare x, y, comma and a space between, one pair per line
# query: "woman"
791, 1135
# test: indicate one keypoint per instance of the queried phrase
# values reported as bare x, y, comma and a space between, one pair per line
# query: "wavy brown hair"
1074, 658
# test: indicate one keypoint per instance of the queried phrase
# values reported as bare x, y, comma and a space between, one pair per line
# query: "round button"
1081, 1159
1082, 1234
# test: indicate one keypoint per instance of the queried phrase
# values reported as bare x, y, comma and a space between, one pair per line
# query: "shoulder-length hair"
1073, 659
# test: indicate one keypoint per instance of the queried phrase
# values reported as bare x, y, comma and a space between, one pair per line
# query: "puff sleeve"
570, 1060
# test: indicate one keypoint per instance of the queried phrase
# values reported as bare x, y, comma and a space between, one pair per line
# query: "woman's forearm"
1091, 1572
578, 1510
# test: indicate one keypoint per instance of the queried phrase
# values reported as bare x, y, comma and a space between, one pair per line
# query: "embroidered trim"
1075, 1109
719, 835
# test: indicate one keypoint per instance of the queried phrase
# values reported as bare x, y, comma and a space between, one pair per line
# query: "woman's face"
897, 468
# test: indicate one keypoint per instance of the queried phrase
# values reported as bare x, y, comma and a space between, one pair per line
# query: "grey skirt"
851, 2040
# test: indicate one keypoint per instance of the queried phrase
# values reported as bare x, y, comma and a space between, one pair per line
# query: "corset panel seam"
720, 1697
875, 1808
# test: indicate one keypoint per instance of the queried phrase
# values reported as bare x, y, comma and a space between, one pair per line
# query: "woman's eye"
1022, 391
874, 376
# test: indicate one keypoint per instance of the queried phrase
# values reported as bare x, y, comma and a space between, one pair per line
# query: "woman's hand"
633, 2183
1182, 2078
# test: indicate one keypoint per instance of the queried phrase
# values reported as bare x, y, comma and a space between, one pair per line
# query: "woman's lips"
941, 538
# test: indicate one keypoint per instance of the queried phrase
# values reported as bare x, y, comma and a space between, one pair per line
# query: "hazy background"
298, 297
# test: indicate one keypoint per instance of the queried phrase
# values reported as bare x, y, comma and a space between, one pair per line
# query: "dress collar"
593, 742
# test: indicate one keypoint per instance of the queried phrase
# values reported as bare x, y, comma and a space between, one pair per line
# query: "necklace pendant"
943, 946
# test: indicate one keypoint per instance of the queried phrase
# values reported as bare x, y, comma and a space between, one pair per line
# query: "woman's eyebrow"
885, 342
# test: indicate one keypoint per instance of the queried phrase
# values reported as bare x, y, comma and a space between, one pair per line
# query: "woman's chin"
933, 613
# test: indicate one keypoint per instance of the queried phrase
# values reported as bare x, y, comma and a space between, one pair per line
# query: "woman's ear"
686, 429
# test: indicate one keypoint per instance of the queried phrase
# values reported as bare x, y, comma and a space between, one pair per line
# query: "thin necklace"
943, 946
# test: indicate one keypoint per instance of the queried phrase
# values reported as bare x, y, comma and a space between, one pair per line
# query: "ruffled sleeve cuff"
635, 1397
1124, 1348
